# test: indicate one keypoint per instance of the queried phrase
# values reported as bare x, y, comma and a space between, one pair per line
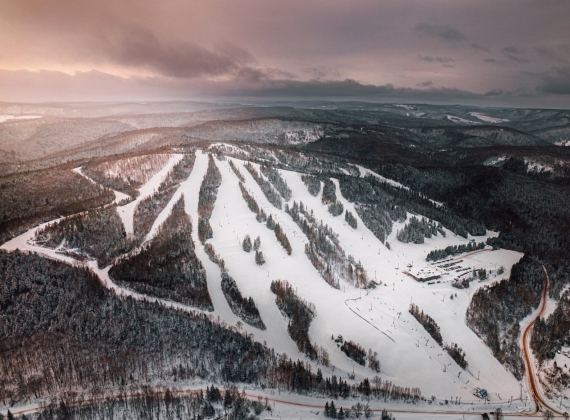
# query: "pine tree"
259, 260
227, 399
246, 243
332, 411
256, 243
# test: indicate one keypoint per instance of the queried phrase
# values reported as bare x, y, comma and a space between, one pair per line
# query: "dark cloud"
560, 54
447, 33
321, 72
426, 84
217, 47
430, 59
556, 81
22, 85
517, 59
478, 47
496, 92
352, 89
515, 54
134, 46
513, 50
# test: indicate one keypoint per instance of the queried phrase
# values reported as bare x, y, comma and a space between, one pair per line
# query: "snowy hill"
374, 317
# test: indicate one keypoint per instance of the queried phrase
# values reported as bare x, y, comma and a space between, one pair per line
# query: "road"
539, 402
318, 405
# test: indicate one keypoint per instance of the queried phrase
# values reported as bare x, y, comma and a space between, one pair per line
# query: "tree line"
207, 198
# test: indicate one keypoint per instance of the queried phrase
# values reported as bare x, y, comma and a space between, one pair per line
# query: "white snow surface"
486, 118
4, 118
376, 319
534, 166
495, 160
460, 120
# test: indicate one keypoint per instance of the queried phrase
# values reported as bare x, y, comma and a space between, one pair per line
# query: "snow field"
403, 363
4, 118
459, 120
486, 118
376, 319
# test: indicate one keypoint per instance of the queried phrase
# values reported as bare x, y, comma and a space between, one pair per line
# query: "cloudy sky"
508, 52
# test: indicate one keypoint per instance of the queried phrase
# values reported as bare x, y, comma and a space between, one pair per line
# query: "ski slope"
377, 318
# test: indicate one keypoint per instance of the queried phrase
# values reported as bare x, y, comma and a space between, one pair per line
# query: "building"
423, 273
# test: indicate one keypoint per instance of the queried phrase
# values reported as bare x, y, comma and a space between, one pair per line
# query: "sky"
490, 53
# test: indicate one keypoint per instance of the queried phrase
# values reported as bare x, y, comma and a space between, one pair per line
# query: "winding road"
539, 401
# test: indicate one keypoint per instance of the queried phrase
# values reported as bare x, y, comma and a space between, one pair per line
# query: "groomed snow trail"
127, 211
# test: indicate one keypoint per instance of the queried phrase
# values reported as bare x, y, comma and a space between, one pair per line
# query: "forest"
312, 183
126, 174
328, 198
244, 308
324, 250
207, 198
156, 405
457, 354
551, 334
277, 181
31, 198
98, 233
495, 312
149, 208
439, 254
167, 267
60, 325
300, 314
428, 323
266, 186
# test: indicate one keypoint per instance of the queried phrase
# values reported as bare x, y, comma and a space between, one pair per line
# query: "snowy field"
4, 118
377, 319
486, 118
460, 120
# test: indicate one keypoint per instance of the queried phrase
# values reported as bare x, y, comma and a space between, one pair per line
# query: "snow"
229, 148
4, 118
408, 107
127, 211
376, 319
534, 166
486, 118
495, 160
460, 120
562, 142
119, 196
